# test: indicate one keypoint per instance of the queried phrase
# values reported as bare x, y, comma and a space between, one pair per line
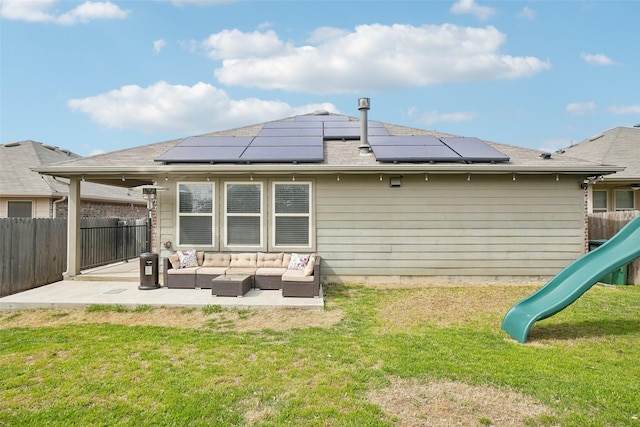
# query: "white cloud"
471, 7
39, 11
598, 59
371, 58
196, 109
527, 13
625, 109
580, 108
433, 117
158, 45
234, 43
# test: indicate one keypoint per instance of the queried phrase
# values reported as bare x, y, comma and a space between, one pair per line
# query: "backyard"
408, 357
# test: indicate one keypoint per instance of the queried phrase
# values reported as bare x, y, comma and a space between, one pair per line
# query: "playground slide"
577, 278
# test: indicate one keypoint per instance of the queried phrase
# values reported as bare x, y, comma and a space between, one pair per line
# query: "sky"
100, 76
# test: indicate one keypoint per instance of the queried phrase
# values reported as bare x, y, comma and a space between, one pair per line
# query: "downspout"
55, 203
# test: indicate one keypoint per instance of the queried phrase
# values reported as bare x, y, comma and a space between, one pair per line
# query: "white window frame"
179, 214
606, 201
615, 200
275, 215
226, 215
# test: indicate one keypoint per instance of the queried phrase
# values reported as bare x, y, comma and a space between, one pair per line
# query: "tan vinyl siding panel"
447, 226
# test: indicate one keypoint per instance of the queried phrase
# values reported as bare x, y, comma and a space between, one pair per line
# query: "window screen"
243, 214
19, 209
292, 213
195, 214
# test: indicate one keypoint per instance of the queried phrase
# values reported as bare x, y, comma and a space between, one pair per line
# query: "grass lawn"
407, 357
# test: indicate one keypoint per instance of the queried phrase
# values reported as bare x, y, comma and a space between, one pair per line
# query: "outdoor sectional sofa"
295, 274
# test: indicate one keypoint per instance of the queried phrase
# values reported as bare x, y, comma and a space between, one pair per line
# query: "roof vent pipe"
364, 105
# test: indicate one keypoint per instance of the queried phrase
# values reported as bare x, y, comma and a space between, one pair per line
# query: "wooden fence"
604, 225
33, 251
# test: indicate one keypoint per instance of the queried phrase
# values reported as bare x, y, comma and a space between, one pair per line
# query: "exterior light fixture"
468, 177
123, 178
557, 177
514, 177
338, 178
380, 177
426, 177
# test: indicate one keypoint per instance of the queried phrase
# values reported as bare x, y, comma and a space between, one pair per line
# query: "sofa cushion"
188, 259
212, 271
296, 276
308, 269
216, 260
298, 261
270, 271
286, 259
244, 260
270, 260
174, 260
186, 270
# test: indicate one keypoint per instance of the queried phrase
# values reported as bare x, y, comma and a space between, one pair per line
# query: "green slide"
577, 278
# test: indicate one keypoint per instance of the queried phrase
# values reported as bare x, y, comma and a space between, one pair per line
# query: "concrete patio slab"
118, 284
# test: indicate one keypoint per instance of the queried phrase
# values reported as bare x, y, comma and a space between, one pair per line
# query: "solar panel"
271, 154
302, 140
475, 150
288, 141
414, 153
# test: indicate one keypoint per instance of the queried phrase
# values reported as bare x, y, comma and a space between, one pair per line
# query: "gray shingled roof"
618, 146
339, 156
17, 178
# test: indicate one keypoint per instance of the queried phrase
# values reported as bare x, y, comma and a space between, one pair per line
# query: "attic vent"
11, 144
49, 147
593, 138
320, 113
545, 156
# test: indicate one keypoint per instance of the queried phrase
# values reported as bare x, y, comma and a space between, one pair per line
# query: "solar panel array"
302, 141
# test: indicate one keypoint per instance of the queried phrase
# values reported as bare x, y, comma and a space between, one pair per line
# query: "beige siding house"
518, 216
25, 193
618, 146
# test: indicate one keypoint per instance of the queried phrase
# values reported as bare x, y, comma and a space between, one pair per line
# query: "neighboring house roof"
18, 178
139, 165
618, 146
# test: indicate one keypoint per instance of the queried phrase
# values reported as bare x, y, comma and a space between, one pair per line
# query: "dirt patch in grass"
445, 404
402, 310
237, 320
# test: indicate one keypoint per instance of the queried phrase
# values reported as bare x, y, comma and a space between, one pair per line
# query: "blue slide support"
573, 281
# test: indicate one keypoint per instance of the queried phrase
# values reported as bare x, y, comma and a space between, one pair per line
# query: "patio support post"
74, 241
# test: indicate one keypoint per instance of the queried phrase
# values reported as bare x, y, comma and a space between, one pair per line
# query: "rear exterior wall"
446, 229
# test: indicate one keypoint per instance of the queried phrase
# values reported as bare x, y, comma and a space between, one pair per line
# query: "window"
599, 200
243, 214
195, 214
292, 214
19, 209
624, 200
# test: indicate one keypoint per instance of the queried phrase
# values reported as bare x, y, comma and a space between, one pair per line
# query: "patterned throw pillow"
298, 261
188, 259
